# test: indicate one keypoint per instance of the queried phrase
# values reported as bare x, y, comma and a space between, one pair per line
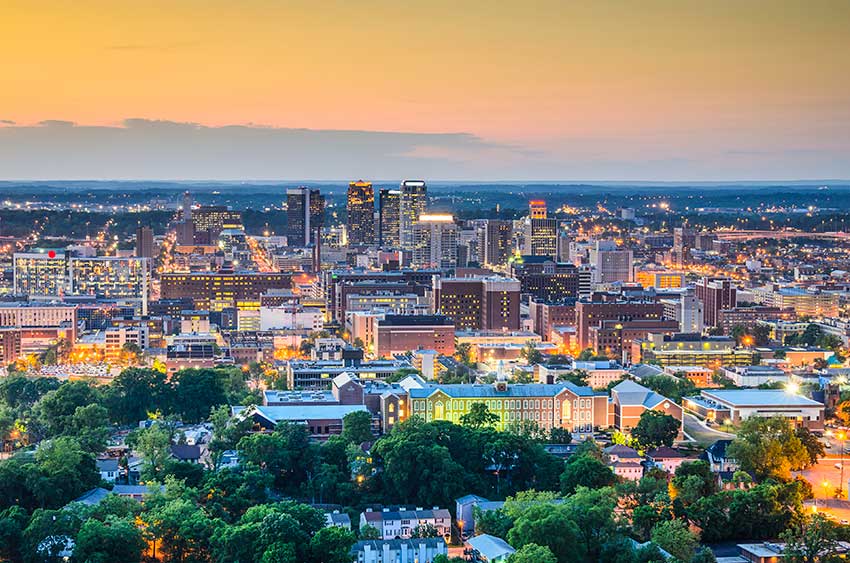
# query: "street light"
825, 486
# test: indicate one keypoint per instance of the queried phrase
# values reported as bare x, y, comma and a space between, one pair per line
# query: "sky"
444, 90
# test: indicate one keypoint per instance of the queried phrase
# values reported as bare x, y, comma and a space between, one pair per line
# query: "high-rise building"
611, 307
479, 303
498, 242
414, 196
716, 294
209, 220
390, 216
144, 242
113, 278
215, 291
305, 211
611, 263
435, 239
537, 209
361, 213
40, 275
541, 237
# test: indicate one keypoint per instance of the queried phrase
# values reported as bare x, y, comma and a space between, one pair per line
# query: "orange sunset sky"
476, 89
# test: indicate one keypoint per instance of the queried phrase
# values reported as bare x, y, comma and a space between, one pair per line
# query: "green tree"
550, 526
138, 392
357, 427
479, 416
769, 447
89, 425
560, 436
198, 391
674, 537
55, 410
331, 545
531, 354
109, 541
493, 522
13, 520
813, 540
585, 471
533, 553
154, 443
576, 377
287, 454
368, 532
656, 429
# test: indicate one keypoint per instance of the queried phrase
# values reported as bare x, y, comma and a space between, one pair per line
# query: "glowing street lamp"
792, 388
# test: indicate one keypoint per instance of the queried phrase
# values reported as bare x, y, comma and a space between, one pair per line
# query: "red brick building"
479, 303
403, 333
612, 307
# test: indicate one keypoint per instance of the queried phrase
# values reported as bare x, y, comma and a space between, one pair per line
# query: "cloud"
154, 149
6, 122
146, 149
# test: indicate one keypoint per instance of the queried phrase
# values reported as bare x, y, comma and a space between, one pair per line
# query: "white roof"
760, 397
490, 547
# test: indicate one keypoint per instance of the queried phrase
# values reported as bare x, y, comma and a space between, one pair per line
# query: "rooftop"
760, 397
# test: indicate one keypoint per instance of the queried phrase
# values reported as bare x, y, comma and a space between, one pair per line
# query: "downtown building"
716, 294
390, 218
305, 213
435, 239
54, 276
599, 307
412, 203
360, 209
216, 291
479, 303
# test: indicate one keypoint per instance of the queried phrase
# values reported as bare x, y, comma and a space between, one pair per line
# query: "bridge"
784, 234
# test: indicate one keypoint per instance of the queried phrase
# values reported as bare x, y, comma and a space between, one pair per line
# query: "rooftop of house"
631, 393
490, 547
476, 391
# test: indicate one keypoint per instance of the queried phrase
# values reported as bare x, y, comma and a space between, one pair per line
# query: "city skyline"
584, 92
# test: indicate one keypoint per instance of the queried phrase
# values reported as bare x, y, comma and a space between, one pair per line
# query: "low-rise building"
629, 400
416, 550
401, 522
753, 376
737, 405
489, 549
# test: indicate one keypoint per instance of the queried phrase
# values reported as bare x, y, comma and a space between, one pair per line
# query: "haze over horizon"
660, 91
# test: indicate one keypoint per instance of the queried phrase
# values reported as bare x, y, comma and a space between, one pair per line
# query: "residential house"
666, 458
415, 550
337, 519
401, 522
108, 469
624, 461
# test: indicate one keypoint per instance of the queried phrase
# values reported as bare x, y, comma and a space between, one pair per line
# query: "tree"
814, 447
656, 429
560, 436
154, 443
814, 539
357, 427
137, 392
585, 471
769, 447
533, 553
531, 354
479, 416
13, 520
593, 513
551, 526
109, 541
287, 454
198, 391
493, 522
674, 537
368, 532
89, 427
425, 531
55, 410
331, 545
576, 377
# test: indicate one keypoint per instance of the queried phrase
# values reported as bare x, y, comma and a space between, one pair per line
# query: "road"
697, 431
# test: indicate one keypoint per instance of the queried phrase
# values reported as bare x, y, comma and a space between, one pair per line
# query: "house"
624, 461
489, 549
186, 453
772, 552
108, 469
96, 495
717, 459
337, 519
401, 522
416, 550
629, 400
666, 458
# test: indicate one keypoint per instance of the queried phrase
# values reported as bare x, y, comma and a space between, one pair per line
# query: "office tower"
479, 303
361, 213
691, 314
40, 275
186, 206
209, 220
600, 307
305, 211
112, 278
537, 209
390, 216
144, 242
411, 206
716, 294
611, 263
563, 245
216, 291
498, 242
435, 239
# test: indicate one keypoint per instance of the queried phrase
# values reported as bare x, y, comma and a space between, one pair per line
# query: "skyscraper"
305, 210
537, 209
497, 246
361, 213
389, 218
435, 241
144, 242
411, 206
612, 264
